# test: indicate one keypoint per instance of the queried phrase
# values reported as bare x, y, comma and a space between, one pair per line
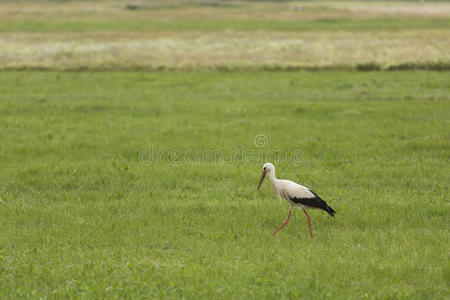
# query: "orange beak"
262, 178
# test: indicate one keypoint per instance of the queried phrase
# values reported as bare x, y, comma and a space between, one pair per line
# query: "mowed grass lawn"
88, 211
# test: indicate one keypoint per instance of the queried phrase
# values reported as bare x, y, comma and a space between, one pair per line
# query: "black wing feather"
315, 202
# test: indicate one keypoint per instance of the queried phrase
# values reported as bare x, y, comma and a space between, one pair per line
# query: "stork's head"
267, 168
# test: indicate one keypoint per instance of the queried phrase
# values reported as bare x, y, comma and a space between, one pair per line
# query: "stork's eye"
264, 168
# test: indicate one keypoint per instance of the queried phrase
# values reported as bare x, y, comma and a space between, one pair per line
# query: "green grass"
82, 216
215, 25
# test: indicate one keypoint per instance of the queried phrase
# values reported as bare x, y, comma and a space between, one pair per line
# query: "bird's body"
295, 194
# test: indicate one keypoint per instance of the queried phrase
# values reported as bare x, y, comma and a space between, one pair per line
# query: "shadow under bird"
295, 194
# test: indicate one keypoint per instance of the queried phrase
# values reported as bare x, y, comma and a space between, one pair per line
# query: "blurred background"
224, 34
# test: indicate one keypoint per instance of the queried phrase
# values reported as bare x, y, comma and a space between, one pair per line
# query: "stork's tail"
329, 210
319, 203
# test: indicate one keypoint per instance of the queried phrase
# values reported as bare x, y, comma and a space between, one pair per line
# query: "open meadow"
189, 35
133, 136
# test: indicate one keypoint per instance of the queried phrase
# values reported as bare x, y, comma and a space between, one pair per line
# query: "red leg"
309, 222
285, 222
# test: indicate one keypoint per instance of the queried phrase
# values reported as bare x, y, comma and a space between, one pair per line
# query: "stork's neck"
273, 179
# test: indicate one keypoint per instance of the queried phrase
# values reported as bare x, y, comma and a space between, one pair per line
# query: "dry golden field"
232, 34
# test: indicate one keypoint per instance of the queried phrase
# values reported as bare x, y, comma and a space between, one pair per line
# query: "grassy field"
133, 136
86, 212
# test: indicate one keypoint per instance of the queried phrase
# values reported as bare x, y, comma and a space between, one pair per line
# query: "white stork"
295, 194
